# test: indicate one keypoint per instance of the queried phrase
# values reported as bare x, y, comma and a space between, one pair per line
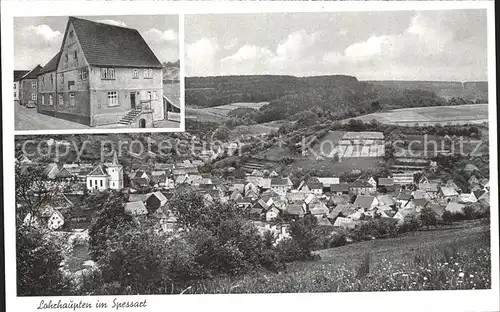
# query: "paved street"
30, 119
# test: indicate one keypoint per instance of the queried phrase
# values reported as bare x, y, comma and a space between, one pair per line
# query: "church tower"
115, 172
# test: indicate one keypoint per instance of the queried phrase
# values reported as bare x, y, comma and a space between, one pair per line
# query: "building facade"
28, 86
103, 74
106, 176
18, 74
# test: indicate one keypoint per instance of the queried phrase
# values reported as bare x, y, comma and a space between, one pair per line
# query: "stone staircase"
129, 117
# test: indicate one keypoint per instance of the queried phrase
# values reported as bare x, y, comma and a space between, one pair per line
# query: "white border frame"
470, 300
8, 52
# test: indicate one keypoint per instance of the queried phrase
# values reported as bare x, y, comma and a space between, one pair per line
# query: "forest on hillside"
337, 96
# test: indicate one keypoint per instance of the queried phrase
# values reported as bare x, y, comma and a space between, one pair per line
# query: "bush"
376, 228
331, 241
410, 224
39, 257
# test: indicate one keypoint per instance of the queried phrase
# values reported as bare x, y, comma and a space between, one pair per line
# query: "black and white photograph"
324, 154
96, 72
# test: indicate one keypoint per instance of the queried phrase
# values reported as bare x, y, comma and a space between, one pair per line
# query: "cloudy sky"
398, 45
38, 39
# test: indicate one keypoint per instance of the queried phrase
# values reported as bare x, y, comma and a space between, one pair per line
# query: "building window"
90, 183
51, 79
71, 85
71, 33
71, 99
112, 98
34, 85
101, 183
43, 100
61, 99
51, 100
155, 95
15, 86
66, 57
135, 73
107, 73
84, 73
149, 95
33, 96
75, 55
42, 81
148, 73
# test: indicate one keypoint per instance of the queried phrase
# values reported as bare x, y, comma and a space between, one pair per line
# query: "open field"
218, 113
263, 128
423, 116
328, 165
422, 260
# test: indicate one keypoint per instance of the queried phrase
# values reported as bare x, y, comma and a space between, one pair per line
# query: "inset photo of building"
101, 72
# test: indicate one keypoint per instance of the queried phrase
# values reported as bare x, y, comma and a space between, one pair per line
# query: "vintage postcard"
96, 72
254, 155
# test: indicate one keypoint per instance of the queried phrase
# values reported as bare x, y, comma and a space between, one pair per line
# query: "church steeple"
115, 158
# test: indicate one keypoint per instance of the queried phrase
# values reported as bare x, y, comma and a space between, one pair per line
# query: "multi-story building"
106, 176
103, 74
28, 86
17, 76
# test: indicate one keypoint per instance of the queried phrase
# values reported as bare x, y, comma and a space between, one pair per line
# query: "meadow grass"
431, 260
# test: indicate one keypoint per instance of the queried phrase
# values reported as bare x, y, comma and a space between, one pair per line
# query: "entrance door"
142, 123
132, 100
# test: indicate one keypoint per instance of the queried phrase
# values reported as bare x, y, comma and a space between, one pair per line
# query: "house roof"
19, 73
386, 200
280, 182
342, 187
313, 183
419, 202
430, 187
51, 65
385, 182
324, 222
454, 207
403, 196
344, 209
448, 191
138, 197
361, 183
110, 45
479, 193
328, 181
98, 171
32, 74
135, 208
319, 208
294, 209
159, 195
364, 201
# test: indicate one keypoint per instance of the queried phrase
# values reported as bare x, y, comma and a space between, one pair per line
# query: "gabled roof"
361, 183
328, 181
159, 195
110, 45
403, 196
135, 208
294, 209
313, 183
386, 200
429, 187
449, 191
19, 73
385, 182
420, 202
280, 182
32, 74
364, 201
51, 65
98, 171
324, 222
342, 187
454, 207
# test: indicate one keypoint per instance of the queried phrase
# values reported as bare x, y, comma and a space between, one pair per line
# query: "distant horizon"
434, 45
329, 75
